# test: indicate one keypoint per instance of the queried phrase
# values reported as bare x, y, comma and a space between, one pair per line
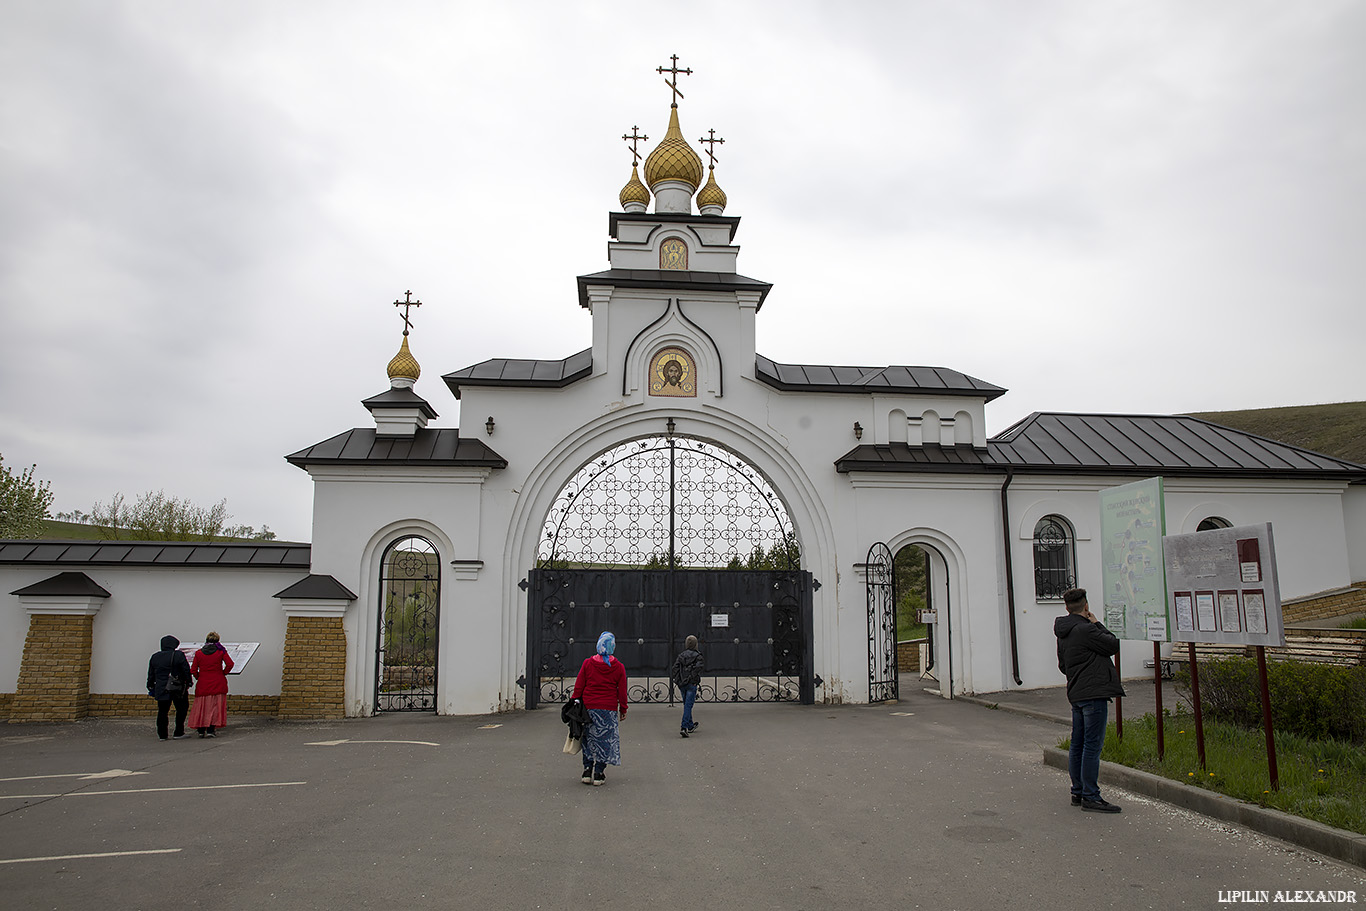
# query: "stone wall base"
313, 685
54, 677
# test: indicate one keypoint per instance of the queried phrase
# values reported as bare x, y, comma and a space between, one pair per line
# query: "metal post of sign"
1266, 720
1157, 684
1199, 715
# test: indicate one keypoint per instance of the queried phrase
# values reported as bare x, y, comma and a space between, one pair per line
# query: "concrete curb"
1336, 843
1015, 710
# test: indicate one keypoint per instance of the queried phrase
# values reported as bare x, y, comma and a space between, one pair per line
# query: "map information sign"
1222, 586
1132, 523
239, 652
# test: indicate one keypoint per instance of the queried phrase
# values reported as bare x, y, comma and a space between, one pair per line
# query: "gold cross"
674, 71
711, 145
633, 139
407, 303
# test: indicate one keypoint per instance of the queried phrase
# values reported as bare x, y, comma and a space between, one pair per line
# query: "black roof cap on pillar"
64, 585
317, 587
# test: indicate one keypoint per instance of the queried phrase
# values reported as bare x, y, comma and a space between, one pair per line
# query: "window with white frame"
1055, 558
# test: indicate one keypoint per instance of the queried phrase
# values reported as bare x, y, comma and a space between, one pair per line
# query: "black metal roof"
672, 218
668, 279
865, 380
317, 587
1169, 445
399, 398
502, 371
158, 553
65, 585
428, 446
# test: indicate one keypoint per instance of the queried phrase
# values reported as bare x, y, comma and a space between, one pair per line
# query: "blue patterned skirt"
602, 740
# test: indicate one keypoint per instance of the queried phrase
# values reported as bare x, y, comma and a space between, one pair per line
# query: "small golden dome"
635, 191
404, 365
711, 194
674, 159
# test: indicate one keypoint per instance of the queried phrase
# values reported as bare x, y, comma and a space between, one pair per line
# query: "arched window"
1055, 558
1210, 523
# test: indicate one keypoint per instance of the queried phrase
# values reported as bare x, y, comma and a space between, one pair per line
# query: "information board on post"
1132, 525
1222, 586
239, 652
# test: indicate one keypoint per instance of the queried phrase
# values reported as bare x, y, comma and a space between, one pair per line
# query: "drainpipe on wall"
1010, 579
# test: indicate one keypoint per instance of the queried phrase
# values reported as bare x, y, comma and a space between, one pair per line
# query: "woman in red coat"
601, 685
210, 669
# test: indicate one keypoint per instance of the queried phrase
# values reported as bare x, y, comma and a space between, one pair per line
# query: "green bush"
1317, 701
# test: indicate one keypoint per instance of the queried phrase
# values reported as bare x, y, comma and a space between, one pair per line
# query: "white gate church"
670, 447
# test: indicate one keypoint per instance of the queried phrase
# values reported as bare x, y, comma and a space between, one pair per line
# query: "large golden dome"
634, 191
404, 365
674, 159
711, 194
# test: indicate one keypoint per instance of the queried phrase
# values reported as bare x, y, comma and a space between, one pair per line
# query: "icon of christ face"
673, 372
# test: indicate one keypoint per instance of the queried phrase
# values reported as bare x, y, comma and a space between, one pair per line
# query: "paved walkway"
924, 804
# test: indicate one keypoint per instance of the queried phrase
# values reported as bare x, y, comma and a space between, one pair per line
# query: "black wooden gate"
753, 628
883, 684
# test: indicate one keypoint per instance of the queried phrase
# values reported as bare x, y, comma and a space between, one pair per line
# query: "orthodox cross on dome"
674, 71
406, 304
633, 139
711, 142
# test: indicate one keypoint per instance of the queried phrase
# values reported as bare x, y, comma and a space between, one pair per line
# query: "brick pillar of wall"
54, 678
313, 684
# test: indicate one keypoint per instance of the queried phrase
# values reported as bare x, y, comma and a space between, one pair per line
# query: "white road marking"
333, 743
34, 860
204, 787
489, 727
904, 714
88, 776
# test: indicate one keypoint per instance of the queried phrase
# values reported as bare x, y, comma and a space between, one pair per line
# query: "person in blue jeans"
1085, 647
687, 674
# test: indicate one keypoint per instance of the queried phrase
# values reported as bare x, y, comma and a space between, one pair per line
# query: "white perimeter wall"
146, 604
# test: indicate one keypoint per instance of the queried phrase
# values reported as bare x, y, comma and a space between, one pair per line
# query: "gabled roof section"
317, 587
1166, 444
905, 458
669, 280
428, 446
64, 585
502, 371
868, 380
158, 553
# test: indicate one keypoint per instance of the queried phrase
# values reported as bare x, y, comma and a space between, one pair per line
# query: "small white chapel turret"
400, 411
673, 171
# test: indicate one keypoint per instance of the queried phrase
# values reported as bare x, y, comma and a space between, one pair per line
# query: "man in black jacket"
1084, 650
687, 674
166, 664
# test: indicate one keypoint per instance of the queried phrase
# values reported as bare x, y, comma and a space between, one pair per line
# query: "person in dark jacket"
687, 674
168, 662
1085, 647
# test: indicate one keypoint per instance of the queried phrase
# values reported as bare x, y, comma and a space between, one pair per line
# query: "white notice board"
1222, 586
239, 652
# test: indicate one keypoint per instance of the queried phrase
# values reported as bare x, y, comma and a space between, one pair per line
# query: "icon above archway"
672, 373
673, 254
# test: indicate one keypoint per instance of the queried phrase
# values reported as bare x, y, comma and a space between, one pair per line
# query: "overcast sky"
206, 209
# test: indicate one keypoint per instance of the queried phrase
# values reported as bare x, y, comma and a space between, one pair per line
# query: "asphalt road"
924, 804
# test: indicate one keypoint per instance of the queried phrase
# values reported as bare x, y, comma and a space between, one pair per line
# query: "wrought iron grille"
410, 599
882, 666
1054, 561
669, 502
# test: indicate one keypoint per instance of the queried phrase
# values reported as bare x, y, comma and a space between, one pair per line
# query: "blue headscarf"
607, 644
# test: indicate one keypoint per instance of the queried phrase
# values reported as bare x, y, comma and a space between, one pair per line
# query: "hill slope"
1335, 430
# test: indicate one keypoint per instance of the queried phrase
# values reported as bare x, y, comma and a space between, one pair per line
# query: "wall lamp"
858, 430
670, 428
488, 426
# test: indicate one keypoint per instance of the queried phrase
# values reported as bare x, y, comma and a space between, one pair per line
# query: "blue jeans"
1088, 736
689, 697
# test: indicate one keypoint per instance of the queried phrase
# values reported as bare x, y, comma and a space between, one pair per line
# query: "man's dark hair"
1075, 599
690, 642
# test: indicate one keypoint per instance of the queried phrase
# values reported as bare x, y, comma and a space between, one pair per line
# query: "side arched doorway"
909, 635
409, 612
660, 538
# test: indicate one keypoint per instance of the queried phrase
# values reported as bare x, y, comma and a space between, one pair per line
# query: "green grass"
1358, 623
1337, 430
1320, 780
77, 531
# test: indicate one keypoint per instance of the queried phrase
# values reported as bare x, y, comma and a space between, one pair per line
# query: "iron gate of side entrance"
658, 539
410, 599
883, 683
753, 629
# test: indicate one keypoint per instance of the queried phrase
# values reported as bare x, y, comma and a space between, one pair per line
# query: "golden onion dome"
674, 159
711, 194
634, 191
404, 365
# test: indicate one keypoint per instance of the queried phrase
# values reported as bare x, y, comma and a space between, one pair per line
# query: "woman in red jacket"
601, 685
210, 669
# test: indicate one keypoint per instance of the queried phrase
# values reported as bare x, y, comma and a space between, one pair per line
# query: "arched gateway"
658, 539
